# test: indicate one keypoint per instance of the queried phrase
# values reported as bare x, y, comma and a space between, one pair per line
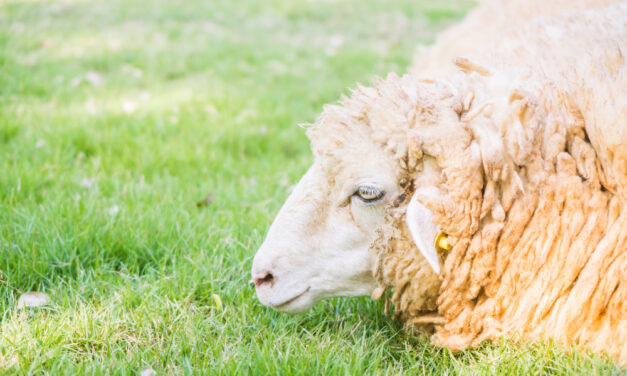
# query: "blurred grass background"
117, 117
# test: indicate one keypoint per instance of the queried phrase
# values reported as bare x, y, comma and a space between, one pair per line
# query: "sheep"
518, 156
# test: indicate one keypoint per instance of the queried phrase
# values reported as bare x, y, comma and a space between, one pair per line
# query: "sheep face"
319, 244
331, 236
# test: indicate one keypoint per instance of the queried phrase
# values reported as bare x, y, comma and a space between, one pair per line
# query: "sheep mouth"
290, 300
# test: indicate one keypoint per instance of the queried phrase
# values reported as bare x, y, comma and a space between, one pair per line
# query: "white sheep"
519, 155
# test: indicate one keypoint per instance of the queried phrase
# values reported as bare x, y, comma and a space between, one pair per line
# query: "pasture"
145, 147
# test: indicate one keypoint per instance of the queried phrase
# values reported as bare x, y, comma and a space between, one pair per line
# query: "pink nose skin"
264, 278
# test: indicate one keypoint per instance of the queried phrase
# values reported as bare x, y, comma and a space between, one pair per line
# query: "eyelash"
369, 191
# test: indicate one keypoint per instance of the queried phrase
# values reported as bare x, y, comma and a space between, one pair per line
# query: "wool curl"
535, 201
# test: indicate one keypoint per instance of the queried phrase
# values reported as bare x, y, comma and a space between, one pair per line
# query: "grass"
117, 117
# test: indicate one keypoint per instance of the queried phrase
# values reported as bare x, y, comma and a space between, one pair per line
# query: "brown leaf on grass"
206, 201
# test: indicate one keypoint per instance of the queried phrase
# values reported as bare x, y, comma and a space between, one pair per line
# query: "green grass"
116, 117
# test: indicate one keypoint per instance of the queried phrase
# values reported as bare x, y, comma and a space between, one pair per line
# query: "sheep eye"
369, 194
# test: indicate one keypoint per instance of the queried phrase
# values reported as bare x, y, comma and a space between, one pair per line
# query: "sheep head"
386, 174
318, 245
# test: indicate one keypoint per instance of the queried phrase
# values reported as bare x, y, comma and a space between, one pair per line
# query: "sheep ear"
420, 222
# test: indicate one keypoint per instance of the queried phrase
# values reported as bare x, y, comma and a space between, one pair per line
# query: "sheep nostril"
265, 277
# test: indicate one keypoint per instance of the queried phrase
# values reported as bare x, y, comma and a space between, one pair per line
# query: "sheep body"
557, 271
531, 139
484, 25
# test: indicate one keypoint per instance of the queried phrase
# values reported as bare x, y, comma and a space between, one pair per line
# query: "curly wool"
533, 153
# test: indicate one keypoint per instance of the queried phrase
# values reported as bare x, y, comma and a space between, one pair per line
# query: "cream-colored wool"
531, 138
484, 26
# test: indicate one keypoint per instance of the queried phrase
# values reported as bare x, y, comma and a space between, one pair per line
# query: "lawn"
145, 148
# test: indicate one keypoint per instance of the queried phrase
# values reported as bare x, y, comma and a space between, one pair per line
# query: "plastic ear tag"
441, 242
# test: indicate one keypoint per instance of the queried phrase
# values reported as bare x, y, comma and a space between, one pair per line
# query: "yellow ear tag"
441, 242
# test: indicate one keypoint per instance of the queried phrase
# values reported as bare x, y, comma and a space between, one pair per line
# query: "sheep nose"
265, 277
